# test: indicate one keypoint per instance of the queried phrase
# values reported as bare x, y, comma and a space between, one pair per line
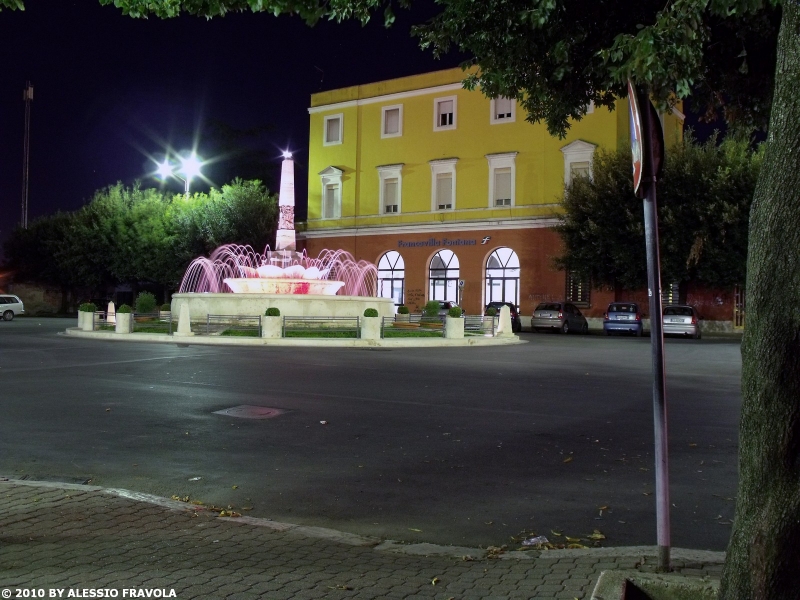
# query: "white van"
10, 306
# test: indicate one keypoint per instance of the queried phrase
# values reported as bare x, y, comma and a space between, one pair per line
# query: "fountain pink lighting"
240, 269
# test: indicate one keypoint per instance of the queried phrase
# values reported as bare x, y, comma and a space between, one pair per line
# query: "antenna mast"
27, 96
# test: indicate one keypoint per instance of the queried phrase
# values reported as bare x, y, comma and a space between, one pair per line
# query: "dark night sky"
109, 90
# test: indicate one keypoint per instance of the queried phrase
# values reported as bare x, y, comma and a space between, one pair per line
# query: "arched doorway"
502, 276
443, 276
391, 277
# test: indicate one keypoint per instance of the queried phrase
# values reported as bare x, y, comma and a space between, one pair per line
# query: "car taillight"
694, 320
638, 317
560, 315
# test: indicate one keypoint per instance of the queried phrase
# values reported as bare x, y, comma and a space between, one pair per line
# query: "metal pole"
27, 96
657, 350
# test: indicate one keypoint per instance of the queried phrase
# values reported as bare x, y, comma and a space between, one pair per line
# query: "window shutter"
332, 133
391, 121
444, 190
502, 187
331, 192
390, 195
502, 108
445, 113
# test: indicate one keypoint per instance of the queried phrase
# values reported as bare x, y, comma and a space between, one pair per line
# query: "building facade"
452, 195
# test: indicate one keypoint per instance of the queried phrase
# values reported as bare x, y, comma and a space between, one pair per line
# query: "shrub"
145, 302
455, 312
402, 310
431, 308
88, 307
371, 312
273, 311
124, 309
491, 311
166, 307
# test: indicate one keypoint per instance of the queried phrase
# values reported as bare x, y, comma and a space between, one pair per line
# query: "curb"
160, 338
392, 546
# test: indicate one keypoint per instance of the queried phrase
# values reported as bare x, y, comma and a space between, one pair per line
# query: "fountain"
237, 280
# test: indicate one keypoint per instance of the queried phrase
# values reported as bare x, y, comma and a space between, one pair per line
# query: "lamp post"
189, 168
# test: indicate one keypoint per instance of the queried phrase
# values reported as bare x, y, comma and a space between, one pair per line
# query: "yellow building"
451, 194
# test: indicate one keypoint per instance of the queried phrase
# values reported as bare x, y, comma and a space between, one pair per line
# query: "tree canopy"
704, 210
134, 235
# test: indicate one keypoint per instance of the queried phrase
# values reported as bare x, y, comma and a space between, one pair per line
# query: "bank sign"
438, 242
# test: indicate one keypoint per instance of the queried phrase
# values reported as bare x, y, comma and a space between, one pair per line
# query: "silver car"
681, 320
10, 306
558, 316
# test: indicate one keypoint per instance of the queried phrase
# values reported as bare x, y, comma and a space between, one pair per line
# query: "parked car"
10, 307
623, 317
445, 306
558, 316
681, 319
516, 322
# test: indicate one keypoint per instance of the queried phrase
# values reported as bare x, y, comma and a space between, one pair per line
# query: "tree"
704, 207
556, 56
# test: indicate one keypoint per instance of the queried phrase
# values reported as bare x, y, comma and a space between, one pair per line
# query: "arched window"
391, 277
502, 276
443, 276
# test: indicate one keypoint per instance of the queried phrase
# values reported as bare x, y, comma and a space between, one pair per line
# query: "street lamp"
189, 168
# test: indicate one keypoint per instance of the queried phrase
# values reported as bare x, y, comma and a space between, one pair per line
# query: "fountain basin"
252, 304
269, 285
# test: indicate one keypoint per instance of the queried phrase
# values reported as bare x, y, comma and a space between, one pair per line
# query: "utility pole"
27, 96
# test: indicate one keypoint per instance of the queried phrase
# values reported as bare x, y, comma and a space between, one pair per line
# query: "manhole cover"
245, 411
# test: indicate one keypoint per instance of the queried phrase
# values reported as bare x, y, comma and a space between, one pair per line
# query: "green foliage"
370, 312
431, 308
129, 235
145, 302
273, 311
704, 202
455, 312
124, 309
491, 311
166, 307
88, 307
402, 310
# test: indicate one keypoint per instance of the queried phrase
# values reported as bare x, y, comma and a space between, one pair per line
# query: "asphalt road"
465, 446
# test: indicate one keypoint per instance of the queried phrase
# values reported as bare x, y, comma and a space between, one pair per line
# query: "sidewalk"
87, 540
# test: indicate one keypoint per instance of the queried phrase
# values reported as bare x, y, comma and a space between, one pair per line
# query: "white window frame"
384, 109
390, 172
503, 160
577, 152
436, 101
440, 167
331, 176
493, 120
325, 141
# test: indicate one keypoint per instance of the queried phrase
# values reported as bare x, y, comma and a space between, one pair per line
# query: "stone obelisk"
284, 238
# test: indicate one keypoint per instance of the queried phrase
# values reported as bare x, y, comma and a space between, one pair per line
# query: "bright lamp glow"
287, 154
190, 166
164, 170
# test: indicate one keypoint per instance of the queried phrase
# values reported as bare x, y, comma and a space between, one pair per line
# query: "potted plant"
165, 313
86, 316
430, 315
371, 325
488, 324
272, 323
145, 303
454, 323
402, 313
124, 322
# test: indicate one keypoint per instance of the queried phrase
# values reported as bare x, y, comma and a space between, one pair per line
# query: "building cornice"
450, 87
428, 228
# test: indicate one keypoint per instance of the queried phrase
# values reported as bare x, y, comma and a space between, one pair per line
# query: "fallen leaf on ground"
434, 581
596, 535
417, 530
568, 459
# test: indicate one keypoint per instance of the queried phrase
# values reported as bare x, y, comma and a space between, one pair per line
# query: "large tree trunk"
763, 559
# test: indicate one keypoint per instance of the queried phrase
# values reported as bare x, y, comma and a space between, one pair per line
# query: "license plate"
676, 320
623, 317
